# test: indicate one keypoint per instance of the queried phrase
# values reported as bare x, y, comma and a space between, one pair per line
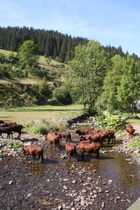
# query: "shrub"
109, 121
62, 96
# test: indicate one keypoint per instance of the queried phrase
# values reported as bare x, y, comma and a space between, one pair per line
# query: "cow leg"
97, 154
83, 156
33, 155
42, 158
19, 135
26, 156
1, 136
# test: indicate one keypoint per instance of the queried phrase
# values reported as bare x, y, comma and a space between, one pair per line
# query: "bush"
109, 121
62, 95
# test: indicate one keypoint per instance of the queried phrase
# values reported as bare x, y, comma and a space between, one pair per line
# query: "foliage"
108, 99
134, 143
89, 66
2, 58
16, 145
62, 95
121, 85
128, 90
113, 121
27, 54
50, 43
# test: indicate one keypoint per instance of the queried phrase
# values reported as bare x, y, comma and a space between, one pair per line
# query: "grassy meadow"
24, 115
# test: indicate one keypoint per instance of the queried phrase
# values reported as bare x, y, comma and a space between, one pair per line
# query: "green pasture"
24, 115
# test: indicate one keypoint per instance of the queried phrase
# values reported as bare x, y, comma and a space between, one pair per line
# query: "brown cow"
130, 130
6, 130
63, 134
34, 151
16, 128
2, 122
53, 139
71, 149
92, 137
111, 136
88, 148
84, 131
12, 126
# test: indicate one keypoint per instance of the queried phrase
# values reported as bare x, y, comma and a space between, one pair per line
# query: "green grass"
25, 115
134, 143
6, 52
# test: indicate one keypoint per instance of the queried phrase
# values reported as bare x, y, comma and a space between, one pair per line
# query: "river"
111, 182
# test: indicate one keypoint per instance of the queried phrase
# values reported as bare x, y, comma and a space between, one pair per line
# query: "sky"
111, 22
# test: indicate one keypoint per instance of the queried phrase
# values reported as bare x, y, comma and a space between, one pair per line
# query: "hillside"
18, 90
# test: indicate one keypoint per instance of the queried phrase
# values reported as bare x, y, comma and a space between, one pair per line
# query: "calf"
88, 148
129, 129
53, 139
71, 149
63, 134
34, 151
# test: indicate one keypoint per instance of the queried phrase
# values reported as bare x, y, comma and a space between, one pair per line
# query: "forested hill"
49, 42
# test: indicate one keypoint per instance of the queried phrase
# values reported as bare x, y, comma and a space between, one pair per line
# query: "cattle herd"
90, 140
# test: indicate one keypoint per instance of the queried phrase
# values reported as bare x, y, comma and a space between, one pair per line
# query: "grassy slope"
53, 67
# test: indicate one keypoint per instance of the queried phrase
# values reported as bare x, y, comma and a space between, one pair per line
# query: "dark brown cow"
63, 134
11, 127
88, 148
130, 130
53, 139
34, 151
16, 128
71, 149
6, 130
111, 136
84, 131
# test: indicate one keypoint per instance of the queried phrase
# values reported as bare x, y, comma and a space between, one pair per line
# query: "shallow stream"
110, 182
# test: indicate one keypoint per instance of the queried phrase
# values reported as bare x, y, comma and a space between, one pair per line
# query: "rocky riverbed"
112, 182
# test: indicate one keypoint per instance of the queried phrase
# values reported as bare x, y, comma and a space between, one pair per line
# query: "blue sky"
111, 22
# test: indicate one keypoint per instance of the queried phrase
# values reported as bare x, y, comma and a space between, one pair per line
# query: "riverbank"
123, 147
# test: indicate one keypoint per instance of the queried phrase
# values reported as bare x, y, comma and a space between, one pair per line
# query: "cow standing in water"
88, 148
34, 151
71, 149
63, 134
53, 139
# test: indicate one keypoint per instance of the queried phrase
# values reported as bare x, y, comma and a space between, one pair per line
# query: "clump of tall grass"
134, 143
38, 130
52, 126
